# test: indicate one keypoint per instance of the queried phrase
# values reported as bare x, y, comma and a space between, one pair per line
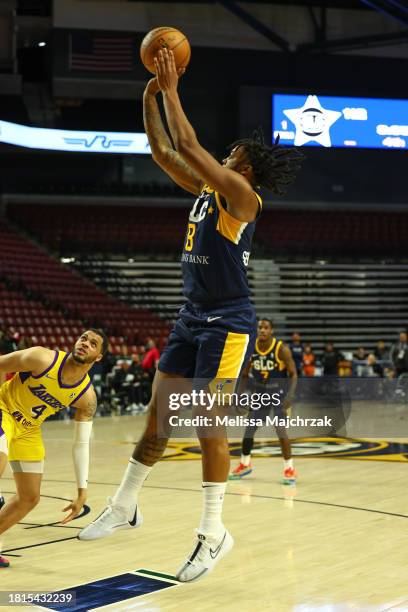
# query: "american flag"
90, 52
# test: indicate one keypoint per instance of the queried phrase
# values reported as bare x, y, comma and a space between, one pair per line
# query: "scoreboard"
328, 121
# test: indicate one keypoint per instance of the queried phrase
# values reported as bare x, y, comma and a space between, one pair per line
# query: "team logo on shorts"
220, 385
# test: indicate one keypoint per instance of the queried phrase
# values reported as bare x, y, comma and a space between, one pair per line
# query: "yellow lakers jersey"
31, 399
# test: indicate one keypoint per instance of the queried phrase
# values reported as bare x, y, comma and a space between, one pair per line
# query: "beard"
82, 360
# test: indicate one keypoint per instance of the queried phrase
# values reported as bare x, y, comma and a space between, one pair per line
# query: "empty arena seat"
53, 302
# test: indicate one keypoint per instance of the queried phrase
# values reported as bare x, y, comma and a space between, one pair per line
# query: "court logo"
338, 448
312, 122
310, 447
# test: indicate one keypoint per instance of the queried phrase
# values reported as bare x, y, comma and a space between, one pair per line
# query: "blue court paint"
115, 589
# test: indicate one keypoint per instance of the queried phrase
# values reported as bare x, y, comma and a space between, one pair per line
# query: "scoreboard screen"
328, 121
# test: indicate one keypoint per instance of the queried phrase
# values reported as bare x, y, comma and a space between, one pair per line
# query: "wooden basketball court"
336, 542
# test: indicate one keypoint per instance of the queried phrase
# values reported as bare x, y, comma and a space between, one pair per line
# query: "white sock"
245, 459
132, 481
287, 463
213, 498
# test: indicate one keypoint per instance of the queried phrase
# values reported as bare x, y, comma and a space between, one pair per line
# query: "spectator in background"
142, 388
308, 361
297, 352
381, 351
23, 343
330, 360
8, 344
359, 362
135, 366
399, 355
360, 354
120, 375
108, 362
373, 368
123, 385
124, 351
151, 357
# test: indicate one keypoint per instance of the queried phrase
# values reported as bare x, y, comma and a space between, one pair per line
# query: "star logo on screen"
312, 122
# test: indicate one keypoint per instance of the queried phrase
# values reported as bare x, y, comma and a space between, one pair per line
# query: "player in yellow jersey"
44, 383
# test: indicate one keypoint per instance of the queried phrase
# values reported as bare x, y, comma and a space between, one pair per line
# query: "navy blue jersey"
266, 367
216, 251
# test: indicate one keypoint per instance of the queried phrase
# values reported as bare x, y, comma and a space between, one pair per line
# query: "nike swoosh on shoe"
214, 553
132, 523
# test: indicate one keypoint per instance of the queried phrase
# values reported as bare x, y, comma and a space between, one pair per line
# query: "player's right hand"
74, 509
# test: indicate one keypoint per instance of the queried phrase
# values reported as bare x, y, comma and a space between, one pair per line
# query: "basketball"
165, 38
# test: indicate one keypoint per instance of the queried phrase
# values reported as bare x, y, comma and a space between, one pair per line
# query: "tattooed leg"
153, 443
150, 449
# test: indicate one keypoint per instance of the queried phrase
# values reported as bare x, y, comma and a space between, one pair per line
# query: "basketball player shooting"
215, 334
44, 383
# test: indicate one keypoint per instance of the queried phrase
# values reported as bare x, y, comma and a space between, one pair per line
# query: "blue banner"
330, 121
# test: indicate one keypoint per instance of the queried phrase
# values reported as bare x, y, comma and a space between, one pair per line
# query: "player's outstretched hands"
152, 88
75, 508
166, 72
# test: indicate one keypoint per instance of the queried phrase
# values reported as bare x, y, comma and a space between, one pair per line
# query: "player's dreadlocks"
274, 167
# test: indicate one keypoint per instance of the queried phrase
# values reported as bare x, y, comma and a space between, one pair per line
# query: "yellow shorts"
24, 444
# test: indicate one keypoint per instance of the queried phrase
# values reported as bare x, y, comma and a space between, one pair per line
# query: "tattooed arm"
85, 407
162, 150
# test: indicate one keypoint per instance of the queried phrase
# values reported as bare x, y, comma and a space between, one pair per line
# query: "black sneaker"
2, 502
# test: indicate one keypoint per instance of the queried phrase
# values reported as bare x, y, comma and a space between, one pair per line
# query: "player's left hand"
166, 72
75, 508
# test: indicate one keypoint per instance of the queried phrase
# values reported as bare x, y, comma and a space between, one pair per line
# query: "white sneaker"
206, 554
112, 519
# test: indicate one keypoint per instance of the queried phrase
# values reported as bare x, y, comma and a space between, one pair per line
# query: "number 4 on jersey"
38, 410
